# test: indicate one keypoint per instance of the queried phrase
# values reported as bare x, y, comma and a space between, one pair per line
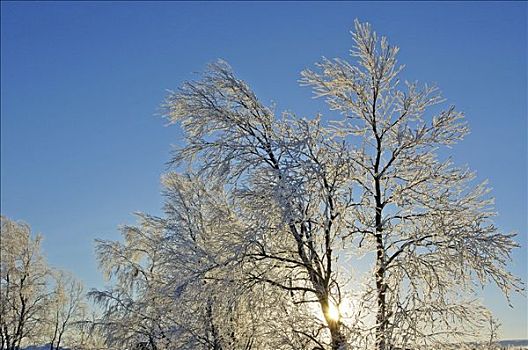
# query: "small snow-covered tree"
133, 308
64, 308
24, 295
38, 304
88, 333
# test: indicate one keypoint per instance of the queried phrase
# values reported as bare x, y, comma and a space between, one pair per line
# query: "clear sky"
83, 146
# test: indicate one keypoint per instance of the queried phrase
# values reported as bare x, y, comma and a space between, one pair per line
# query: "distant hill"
41, 347
514, 344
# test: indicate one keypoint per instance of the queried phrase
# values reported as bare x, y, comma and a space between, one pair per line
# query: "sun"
333, 312
337, 312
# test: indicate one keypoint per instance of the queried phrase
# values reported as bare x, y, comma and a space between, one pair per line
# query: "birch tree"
24, 295
288, 176
64, 308
428, 222
38, 303
180, 281
133, 309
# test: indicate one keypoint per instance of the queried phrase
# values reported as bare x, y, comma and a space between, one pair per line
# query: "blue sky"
83, 146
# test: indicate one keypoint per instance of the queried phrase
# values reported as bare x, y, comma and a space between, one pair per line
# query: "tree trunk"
380, 296
338, 339
337, 336
381, 286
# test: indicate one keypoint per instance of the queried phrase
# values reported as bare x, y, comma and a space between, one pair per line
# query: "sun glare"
333, 312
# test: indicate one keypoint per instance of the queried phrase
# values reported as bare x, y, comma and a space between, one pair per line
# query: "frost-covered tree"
133, 309
64, 308
426, 221
24, 296
88, 333
288, 179
179, 282
38, 304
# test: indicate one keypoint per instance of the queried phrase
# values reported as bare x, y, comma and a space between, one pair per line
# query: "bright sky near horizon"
83, 146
